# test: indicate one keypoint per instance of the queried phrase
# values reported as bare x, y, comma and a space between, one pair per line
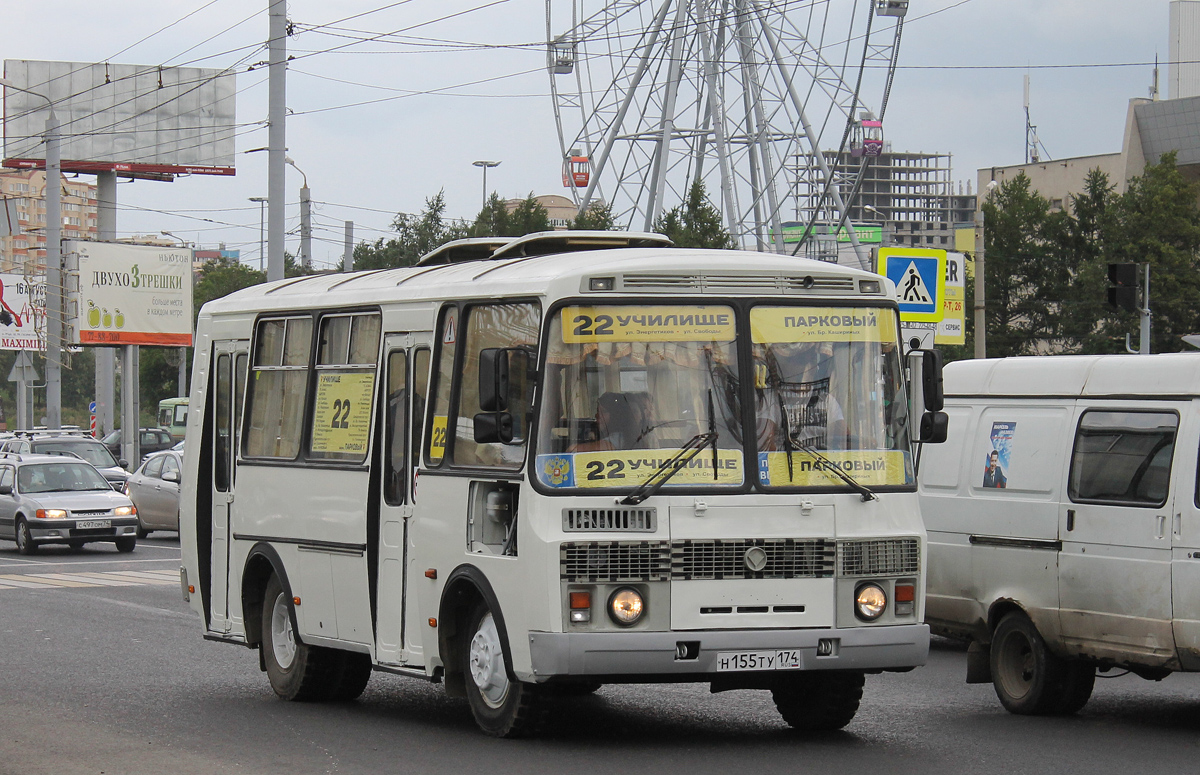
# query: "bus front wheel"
293, 668
819, 701
502, 706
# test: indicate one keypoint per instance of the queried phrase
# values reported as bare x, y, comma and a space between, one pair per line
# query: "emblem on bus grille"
755, 558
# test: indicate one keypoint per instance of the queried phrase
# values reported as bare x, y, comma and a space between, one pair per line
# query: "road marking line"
17, 581
142, 577
102, 579
63, 579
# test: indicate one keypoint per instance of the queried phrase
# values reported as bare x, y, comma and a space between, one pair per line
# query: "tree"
597, 217
416, 236
497, 220
695, 223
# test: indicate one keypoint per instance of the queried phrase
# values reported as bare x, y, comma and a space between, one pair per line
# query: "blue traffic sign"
920, 278
92, 408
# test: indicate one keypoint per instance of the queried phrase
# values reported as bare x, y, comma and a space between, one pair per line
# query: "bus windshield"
829, 391
627, 386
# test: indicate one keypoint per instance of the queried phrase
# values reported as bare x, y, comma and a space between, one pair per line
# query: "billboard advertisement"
126, 118
131, 294
22, 312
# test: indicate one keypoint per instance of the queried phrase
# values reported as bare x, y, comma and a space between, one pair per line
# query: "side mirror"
931, 380
934, 427
493, 379
5, 489
491, 427
171, 476
123, 463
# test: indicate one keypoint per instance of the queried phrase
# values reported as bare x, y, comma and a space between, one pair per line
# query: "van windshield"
627, 386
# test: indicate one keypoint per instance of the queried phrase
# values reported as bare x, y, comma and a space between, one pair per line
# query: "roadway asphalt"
107, 673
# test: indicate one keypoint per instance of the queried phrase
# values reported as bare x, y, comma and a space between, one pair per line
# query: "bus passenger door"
405, 385
229, 383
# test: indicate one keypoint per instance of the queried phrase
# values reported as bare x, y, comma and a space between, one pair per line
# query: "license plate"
787, 659
85, 524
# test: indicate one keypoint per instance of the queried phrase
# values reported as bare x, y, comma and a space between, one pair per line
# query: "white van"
1064, 522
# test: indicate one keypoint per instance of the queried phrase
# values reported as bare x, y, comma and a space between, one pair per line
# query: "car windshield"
113, 437
92, 451
627, 387
829, 391
59, 477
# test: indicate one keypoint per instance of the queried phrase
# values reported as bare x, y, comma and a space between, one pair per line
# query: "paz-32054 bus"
559, 465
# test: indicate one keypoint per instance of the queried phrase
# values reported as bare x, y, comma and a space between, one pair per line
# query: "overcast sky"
959, 90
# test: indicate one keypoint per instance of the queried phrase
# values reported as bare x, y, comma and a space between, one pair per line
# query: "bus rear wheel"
819, 701
295, 670
502, 706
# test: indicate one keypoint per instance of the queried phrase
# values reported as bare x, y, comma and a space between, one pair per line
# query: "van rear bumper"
643, 654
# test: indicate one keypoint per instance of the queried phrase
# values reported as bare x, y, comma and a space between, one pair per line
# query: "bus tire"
350, 672
1028, 678
24, 538
296, 671
819, 701
502, 705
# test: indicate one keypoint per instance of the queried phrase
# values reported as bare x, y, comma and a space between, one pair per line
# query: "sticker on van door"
999, 456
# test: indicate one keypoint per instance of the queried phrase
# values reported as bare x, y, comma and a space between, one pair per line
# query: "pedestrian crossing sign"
920, 278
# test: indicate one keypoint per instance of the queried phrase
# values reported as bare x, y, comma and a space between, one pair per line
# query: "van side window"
488, 326
347, 355
1123, 457
278, 387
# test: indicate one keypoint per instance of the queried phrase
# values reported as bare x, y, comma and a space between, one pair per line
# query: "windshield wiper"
669, 468
829, 465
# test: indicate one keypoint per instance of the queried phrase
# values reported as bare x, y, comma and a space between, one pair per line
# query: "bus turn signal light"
295, 601
431, 573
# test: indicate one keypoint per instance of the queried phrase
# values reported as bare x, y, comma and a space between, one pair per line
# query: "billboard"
126, 118
22, 312
131, 294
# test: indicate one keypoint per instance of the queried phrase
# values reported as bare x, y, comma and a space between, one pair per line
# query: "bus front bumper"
698, 652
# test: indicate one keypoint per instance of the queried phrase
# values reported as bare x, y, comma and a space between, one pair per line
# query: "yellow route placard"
822, 324
631, 467
342, 415
872, 468
647, 323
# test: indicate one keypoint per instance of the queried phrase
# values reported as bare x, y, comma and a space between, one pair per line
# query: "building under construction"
910, 196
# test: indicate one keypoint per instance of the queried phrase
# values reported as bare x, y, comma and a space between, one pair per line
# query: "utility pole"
54, 281
106, 361
980, 300
348, 248
276, 136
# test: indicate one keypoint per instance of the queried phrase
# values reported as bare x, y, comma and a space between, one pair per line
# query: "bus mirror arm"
492, 427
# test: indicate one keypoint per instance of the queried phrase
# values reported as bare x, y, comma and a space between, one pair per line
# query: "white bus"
567, 464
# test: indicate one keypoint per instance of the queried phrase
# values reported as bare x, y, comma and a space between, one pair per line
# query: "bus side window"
396, 411
488, 326
420, 380
278, 388
223, 440
435, 444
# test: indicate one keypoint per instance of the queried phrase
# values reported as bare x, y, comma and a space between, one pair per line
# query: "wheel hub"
283, 640
486, 660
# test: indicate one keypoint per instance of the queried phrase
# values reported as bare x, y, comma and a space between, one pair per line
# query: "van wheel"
1029, 680
25, 544
502, 706
819, 701
296, 671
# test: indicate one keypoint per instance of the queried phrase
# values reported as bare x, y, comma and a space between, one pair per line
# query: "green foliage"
416, 235
696, 223
495, 220
221, 277
597, 217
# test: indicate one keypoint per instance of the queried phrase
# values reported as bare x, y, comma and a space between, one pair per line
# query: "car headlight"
626, 606
51, 514
124, 511
870, 601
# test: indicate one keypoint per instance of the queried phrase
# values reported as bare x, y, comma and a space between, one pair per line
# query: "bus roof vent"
661, 281
737, 283
818, 285
635, 520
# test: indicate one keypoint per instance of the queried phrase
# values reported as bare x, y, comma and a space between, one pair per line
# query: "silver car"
154, 489
52, 499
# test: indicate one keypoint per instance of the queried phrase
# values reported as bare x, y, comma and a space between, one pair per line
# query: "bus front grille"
628, 520
879, 557
752, 558
584, 562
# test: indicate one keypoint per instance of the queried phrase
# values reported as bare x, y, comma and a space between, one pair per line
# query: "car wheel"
296, 671
25, 544
1028, 678
126, 545
502, 705
819, 701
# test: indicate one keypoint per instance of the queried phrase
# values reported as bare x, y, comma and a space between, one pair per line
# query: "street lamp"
305, 219
54, 286
262, 215
485, 165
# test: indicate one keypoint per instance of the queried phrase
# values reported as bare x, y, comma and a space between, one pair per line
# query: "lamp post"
305, 219
485, 165
262, 215
54, 285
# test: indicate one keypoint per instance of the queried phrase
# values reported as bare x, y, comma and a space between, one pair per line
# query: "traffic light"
1122, 294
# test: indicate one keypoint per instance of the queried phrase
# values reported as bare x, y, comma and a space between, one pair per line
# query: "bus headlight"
870, 601
626, 606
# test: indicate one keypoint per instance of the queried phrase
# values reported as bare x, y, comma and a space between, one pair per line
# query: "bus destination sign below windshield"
647, 323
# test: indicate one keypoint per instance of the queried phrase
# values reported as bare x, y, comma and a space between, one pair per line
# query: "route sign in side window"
1123, 458
345, 387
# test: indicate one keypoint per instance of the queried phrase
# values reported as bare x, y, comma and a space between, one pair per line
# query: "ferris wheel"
742, 95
